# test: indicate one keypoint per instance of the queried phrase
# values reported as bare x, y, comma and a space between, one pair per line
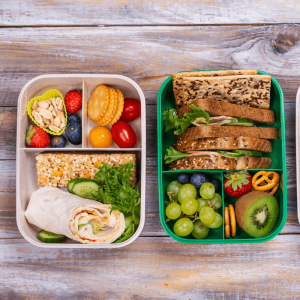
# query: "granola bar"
57, 169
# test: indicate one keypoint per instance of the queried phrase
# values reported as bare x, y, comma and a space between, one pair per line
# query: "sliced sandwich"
216, 161
177, 79
247, 90
213, 134
225, 109
269, 133
224, 144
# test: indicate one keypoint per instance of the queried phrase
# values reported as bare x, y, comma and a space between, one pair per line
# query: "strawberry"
237, 184
73, 101
36, 137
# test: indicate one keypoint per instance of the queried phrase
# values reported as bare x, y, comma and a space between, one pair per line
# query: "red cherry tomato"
131, 110
123, 135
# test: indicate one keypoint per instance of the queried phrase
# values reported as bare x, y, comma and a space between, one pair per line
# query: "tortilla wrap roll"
79, 219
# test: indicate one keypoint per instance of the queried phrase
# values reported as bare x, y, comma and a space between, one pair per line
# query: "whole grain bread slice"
224, 143
177, 79
247, 90
228, 131
221, 162
220, 108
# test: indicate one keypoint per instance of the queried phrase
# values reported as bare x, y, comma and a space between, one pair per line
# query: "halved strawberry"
238, 183
36, 137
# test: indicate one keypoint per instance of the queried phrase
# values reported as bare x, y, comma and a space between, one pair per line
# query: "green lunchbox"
165, 99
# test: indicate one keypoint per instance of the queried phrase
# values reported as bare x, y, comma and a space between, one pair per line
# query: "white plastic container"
298, 150
26, 163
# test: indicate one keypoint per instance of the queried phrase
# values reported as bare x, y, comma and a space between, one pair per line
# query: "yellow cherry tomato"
100, 137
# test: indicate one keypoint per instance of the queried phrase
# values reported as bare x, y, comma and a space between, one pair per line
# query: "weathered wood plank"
92, 12
157, 53
153, 269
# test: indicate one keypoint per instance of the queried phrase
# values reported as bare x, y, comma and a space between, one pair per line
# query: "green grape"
207, 190
202, 203
174, 186
187, 190
215, 197
183, 227
200, 231
189, 206
173, 211
207, 215
217, 223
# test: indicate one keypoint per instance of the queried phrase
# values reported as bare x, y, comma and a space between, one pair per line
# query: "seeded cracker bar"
57, 169
178, 77
248, 90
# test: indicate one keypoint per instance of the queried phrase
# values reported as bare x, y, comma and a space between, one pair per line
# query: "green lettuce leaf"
184, 123
169, 116
117, 189
173, 155
173, 122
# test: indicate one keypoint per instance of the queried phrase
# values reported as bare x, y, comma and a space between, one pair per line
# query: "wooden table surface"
146, 41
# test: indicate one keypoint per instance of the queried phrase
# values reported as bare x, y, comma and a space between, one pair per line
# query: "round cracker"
120, 107
112, 108
98, 103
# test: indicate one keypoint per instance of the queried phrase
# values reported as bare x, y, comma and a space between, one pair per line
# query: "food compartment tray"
165, 99
26, 168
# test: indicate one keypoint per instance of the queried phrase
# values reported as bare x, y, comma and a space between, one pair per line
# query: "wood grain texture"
126, 12
148, 55
152, 269
154, 266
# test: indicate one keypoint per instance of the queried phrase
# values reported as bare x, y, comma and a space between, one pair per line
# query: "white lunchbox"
26, 162
298, 150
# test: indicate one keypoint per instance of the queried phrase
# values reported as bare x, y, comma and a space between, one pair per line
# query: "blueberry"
73, 118
75, 142
58, 141
198, 179
183, 178
74, 133
217, 184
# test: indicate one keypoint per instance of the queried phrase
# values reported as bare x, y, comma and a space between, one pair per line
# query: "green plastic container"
165, 99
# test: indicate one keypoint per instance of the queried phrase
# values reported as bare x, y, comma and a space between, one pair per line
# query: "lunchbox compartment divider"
84, 115
223, 203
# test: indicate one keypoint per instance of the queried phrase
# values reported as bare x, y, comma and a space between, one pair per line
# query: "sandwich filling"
91, 224
223, 120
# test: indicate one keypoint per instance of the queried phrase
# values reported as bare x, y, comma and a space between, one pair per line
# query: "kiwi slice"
257, 213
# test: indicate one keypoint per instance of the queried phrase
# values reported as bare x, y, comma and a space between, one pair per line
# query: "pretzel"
264, 183
227, 226
232, 220
274, 190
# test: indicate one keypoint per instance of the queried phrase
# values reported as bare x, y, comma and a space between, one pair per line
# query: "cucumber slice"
230, 154
85, 189
247, 152
72, 182
49, 237
240, 122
